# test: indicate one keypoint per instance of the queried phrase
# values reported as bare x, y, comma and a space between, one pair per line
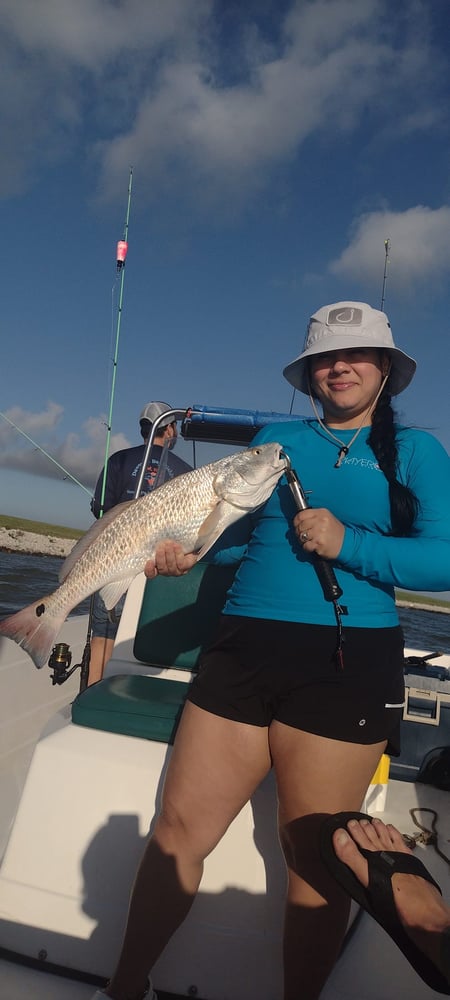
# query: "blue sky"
274, 147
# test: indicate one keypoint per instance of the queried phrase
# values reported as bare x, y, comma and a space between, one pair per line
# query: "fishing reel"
60, 660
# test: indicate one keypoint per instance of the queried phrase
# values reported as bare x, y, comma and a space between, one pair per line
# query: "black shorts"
259, 670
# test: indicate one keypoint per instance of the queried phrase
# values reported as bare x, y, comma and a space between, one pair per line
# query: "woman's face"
346, 382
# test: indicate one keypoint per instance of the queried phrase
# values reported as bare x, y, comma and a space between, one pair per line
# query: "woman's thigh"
316, 774
215, 766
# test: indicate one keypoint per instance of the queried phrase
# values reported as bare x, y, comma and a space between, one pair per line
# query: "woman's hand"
170, 560
319, 531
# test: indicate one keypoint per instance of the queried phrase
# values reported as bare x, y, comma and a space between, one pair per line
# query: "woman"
270, 692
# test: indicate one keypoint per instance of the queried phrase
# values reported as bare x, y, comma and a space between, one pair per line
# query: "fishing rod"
61, 656
67, 474
122, 249
387, 247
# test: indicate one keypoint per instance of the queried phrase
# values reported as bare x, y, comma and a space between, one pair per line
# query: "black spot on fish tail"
40, 610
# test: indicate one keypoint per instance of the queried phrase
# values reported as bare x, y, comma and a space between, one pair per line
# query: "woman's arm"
422, 560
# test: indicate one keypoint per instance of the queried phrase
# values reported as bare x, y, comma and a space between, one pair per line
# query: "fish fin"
86, 540
213, 526
34, 630
112, 592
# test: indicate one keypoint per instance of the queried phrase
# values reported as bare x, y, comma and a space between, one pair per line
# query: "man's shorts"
105, 623
259, 670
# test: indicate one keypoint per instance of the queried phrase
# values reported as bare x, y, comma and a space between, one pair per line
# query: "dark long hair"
383, 442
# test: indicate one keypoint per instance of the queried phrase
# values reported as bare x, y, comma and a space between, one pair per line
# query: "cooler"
426, 715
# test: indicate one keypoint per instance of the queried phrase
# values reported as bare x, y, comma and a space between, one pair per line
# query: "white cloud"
332, 63
78, 456
66, 63
88, 33
31, 423
153, 80
420, 247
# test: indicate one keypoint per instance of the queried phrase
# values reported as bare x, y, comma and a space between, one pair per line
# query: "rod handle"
327, 579
325, 572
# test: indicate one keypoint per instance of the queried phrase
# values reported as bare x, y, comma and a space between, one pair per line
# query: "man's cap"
345, 325
153, 410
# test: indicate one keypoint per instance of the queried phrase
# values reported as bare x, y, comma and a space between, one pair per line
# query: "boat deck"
370, 966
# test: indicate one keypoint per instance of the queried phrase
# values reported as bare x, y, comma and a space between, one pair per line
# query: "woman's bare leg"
315, 776
214, 769
101, 652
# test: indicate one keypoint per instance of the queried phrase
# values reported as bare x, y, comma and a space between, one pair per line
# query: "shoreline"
34, 544
420, 606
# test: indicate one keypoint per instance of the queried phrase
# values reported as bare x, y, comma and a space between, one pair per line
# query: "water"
24, 578
428, 630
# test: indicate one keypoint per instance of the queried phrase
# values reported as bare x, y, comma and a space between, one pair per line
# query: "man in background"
124, 469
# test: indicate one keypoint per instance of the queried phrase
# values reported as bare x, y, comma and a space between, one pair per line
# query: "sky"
272, 147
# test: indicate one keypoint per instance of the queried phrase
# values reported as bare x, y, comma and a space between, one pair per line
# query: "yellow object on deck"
381, 775
375, 798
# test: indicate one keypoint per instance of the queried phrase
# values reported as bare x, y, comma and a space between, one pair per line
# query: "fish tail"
35, 629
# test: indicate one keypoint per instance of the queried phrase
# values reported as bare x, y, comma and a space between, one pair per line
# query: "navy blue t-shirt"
124, 468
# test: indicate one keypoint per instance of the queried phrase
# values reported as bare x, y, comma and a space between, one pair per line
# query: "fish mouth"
281, 461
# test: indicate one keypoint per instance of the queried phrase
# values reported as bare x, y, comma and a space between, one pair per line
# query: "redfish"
193, 509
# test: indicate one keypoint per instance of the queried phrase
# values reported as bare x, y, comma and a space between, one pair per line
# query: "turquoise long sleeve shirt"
276, 578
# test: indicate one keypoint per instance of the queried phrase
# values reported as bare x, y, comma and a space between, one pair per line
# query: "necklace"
345, 448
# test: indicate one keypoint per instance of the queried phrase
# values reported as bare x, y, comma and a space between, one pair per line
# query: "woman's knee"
299, 841
178, 833
171, 825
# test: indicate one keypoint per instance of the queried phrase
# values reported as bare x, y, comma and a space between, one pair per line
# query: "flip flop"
378, 899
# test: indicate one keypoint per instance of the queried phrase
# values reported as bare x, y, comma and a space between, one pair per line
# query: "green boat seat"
179, 615
133, 705
177, 620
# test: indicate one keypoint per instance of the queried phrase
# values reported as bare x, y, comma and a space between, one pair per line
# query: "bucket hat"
153, 410
344, 325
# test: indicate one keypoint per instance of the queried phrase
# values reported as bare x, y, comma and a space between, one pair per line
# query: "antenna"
122, 248
387, 247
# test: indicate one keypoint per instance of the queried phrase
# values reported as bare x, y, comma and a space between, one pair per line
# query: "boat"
80, 780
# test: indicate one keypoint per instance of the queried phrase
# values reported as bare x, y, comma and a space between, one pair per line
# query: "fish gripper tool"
325, 572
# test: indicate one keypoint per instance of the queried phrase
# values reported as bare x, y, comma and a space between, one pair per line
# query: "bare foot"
420, 907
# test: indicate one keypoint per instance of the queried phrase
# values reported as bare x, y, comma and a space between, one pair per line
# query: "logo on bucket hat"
345, 317
346, 325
